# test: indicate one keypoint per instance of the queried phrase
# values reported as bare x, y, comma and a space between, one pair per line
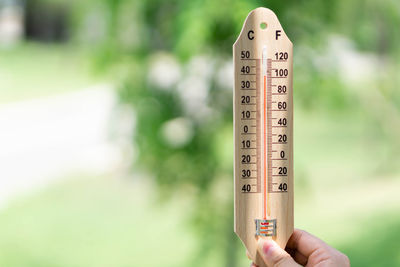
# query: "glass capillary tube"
264, 74
264, 61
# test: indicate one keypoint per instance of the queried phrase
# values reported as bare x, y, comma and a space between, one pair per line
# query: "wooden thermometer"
263, 122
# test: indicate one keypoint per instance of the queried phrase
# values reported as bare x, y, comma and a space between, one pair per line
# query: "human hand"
301, 249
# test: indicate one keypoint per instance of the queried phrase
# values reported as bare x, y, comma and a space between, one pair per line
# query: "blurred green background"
116, 130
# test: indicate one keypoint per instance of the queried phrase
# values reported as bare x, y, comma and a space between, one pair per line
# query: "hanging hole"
263, 25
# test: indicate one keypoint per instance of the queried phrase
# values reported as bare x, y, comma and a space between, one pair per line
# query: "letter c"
250, 35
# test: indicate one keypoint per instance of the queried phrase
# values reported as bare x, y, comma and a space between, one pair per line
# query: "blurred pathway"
48, 138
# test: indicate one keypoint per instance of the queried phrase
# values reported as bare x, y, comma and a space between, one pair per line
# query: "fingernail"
266, 246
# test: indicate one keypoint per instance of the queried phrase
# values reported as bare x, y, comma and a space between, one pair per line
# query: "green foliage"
186, 30
347, 127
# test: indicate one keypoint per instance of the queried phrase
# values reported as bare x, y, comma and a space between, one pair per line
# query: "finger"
253, 265
300, 258
304, 243
273, 255
297, 256
248, 255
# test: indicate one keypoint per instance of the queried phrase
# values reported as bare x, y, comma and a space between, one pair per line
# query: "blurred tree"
46, 22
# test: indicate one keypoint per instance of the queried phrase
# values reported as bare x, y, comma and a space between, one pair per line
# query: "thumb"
273, 255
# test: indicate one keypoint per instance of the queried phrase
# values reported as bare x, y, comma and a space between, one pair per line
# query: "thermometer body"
263, 130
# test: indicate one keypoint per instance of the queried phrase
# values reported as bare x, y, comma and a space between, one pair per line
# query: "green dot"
263, 25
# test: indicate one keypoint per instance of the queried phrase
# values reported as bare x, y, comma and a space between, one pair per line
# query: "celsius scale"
263, 129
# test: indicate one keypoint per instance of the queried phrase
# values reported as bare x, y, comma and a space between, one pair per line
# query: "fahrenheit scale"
263, 127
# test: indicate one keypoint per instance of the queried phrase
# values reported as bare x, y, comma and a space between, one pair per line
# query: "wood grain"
260, 122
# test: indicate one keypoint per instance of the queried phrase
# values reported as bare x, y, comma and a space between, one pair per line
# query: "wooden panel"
263, 129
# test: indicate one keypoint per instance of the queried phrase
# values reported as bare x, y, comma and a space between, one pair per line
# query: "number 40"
282, 187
